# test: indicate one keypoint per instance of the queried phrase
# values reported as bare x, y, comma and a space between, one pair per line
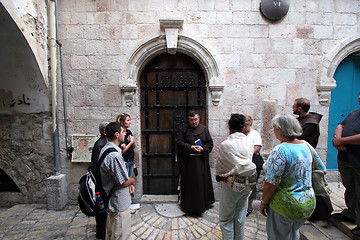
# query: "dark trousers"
100, 219
351, 178
323, 208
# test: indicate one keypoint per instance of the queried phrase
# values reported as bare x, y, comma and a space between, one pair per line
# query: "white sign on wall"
83, 145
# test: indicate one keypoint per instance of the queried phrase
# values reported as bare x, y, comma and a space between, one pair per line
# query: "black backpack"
89, 184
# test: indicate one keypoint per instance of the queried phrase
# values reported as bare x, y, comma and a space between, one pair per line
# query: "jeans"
232, 212
279, 227
130, 167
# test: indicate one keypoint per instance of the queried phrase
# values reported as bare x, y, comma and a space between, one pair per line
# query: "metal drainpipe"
69, 149
53, 70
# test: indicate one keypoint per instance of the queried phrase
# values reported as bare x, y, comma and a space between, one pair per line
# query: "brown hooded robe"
196, 188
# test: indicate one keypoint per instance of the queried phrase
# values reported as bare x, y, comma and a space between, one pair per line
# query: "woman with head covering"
236, 174
288, 197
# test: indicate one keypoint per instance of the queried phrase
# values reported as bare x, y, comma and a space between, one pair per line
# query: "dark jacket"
99, 144
310, 126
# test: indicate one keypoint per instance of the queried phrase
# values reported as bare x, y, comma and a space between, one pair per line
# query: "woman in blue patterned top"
288, 197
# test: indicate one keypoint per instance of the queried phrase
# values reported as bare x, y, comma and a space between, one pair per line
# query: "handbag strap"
312, 153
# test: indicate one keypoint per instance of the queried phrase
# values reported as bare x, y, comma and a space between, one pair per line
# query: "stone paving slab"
150, 222
322, 230
156, 220
332, 229
34, 221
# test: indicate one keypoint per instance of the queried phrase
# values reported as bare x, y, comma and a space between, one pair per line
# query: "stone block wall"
259, 60
26, 156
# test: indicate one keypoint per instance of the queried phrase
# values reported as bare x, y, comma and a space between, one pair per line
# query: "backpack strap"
96, 171
103, 156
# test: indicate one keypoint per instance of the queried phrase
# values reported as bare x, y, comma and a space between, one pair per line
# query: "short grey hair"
289, 126
102, 127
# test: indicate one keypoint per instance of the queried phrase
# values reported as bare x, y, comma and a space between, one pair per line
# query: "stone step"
345, 228
332, 229
321, 230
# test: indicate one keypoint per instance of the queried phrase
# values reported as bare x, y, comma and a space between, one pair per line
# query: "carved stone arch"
35, 47
186, 44
326, 82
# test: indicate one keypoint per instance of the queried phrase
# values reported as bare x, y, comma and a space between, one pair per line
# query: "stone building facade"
249, 64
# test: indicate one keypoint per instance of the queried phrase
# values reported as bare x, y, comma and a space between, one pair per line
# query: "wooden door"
343, 100
171, 86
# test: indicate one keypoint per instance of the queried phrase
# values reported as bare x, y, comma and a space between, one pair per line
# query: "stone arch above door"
186, 44
326, 82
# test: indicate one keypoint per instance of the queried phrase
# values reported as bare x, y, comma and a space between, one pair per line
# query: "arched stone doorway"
171, 86
188, 45
156, 45
343, 100
327, 83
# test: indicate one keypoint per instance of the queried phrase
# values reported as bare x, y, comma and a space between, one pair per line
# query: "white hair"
289, 126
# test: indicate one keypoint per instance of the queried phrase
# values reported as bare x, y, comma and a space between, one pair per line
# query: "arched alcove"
332, 60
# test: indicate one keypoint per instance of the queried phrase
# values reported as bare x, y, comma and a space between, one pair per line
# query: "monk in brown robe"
194, 145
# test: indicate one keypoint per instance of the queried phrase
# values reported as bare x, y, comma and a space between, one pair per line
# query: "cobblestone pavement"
158, 220
148, 223
34, 221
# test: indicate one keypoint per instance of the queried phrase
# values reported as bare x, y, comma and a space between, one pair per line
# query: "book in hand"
198, 143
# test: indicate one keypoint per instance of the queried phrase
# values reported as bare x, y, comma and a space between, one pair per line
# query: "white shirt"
255, 137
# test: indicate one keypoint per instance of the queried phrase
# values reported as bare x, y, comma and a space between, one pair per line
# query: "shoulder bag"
319, 183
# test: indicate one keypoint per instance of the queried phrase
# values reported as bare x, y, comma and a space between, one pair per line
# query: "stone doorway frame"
326, 81
170, 40
184, 43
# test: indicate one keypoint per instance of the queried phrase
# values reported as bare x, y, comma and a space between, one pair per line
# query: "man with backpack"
117, 185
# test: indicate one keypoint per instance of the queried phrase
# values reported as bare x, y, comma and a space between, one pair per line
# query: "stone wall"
256, 61
26, 145
259, 60
26, 156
